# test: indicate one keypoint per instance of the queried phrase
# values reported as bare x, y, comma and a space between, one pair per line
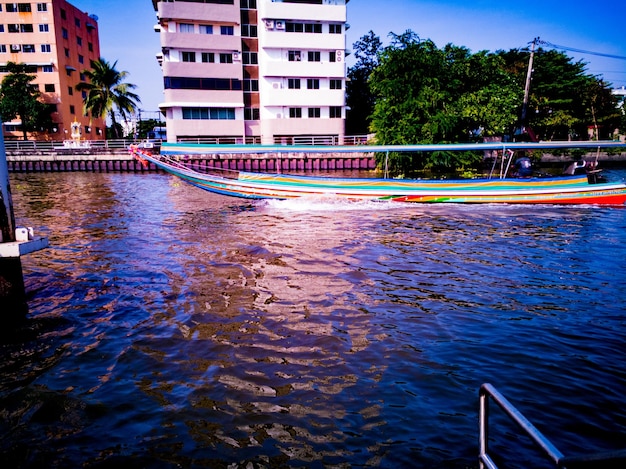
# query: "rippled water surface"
170, 327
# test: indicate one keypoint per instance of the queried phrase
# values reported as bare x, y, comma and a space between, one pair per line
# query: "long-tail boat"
568, 189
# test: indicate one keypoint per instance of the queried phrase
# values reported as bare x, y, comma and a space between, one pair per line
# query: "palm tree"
107, 93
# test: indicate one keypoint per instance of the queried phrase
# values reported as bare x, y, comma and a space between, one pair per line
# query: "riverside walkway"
114, 155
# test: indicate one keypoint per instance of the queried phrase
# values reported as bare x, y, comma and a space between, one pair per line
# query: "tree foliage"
420, 93
429, 95
19, 98
107, 93
146, 126
564, 100
359, 98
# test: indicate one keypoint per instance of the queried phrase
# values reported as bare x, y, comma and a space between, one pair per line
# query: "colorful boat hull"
552, 190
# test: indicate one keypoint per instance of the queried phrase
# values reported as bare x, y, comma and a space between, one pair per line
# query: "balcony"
208, 12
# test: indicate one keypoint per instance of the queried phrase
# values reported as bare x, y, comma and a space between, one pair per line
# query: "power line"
581, 51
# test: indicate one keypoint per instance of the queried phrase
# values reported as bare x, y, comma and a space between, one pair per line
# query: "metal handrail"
485, 461
125, 143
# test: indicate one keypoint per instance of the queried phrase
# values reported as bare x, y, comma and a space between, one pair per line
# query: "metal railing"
487, 391
331, 140
55, 145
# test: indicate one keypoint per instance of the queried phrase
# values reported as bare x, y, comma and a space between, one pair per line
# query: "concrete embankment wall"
122, 161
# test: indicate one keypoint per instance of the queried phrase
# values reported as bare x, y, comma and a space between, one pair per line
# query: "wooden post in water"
12, 290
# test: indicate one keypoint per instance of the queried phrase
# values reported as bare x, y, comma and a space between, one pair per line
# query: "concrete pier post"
12, 291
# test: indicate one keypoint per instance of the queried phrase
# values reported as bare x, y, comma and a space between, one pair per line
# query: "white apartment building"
253, 71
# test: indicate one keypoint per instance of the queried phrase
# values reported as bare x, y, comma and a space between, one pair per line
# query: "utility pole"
529, 74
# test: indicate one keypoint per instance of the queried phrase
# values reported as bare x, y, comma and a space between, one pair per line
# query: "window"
70, 90
42, 7
90, 46
47, 69
335, 112
295, 112
334, 28
227, 30
314, 113
64, 32
26, 28
1, 28
45, 48
293, 83
249, 30
313, 84
67, 52
28, 48
250, 58
206, 29
335, 84
248, 4
63, 14
294, 27
314, 56
187, 83
77, 22
189, 56
208, 57
332, 56
81, 59
3, 49
211, 113
72, 109
22, 7
294, 56
185, 28
43, 28
13, 28
49, 87
79, 41
250, 85
313, 28
226, 58
251, 114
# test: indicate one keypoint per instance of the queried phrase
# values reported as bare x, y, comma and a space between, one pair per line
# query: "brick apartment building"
57, 42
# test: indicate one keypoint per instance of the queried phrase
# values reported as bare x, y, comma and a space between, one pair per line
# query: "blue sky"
127, 35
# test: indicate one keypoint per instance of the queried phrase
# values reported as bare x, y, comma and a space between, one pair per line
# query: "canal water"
170, 327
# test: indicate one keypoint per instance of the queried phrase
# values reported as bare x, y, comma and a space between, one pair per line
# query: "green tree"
429, 95
564, 100
146, 126
107, 93
359, 97
20, 98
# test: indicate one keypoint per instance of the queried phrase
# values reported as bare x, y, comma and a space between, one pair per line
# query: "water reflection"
193, 329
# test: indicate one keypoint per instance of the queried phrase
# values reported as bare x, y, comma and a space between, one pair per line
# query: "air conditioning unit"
279, 116
276, 85
236, 57
280, 25
269, 24
16, 48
